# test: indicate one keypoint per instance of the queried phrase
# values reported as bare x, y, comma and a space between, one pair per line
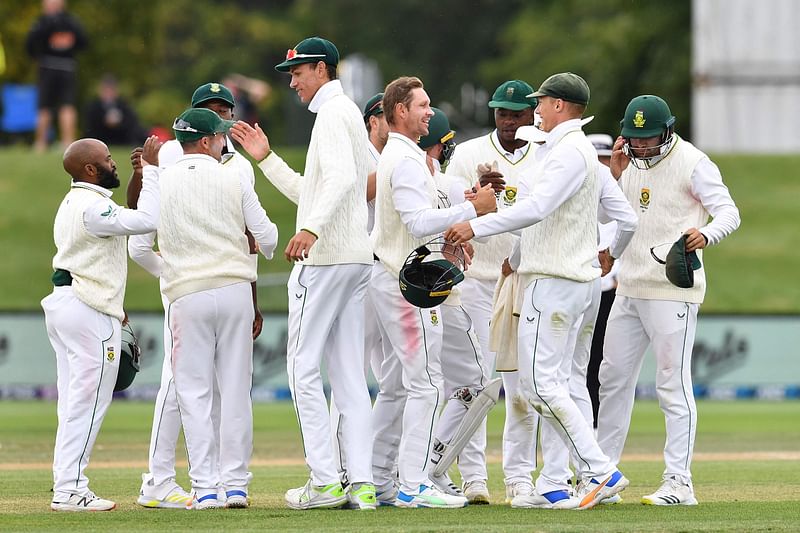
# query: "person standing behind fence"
53, 41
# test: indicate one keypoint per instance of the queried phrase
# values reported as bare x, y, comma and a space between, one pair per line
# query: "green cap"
513, 95
646, 116
567, 86
310, 50
212, 91
438, 130
374, 106
198, 122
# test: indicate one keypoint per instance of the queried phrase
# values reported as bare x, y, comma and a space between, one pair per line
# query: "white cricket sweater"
98, 265
391, 239
201, 230
664, 199
330, 194
564, 244
490, 253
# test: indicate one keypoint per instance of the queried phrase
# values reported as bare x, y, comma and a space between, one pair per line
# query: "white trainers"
593, 491
445, 484
430, 496
167, 495
236, 499
87, 501
387, 497
557, 499
361, 496
672, 492
208, 501
518, 488
476, 492
316, 497
611, 500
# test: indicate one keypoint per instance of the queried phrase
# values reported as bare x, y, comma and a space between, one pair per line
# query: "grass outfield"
746, 469
753, 271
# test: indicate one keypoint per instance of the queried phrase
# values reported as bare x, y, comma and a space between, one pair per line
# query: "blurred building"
746, 75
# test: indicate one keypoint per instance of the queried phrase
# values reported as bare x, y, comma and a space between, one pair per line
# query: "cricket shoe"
518, 488
166, 495
430, 496
88, 501
388, 497
445, 484
595, 490
672, 492
476, 492
361, 496
555, 499
207, 501
236, 499
316, 496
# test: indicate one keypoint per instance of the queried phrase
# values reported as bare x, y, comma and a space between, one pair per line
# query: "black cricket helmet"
430, 272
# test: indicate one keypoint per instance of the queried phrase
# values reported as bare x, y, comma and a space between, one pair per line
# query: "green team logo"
108, 212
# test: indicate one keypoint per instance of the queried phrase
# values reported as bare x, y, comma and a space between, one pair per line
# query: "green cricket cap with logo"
373, 107
646, 116
212, 91
198, 122
438, 130
565, 85
513, 95
310, 50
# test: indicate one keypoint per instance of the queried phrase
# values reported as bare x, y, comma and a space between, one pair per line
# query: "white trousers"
87, 346
555, 456
412, 336
373, 359
462, 366
167, 417
326, 321
552, 311
670, 328
212, 338
522, 421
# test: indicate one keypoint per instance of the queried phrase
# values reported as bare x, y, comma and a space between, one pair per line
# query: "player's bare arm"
254, 141
135, 183
619, 161
694, 240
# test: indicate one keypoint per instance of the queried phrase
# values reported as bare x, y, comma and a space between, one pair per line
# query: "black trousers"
596, 356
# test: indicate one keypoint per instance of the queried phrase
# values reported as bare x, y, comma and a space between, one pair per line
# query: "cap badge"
290, 54
510, 92
639, 120
215, 88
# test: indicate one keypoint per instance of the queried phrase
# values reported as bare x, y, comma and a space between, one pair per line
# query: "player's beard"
108, 178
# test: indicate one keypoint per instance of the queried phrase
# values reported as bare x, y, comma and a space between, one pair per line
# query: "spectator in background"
109, 117
53, 41
248, 92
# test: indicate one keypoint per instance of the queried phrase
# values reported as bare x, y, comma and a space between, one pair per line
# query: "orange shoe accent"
588, 501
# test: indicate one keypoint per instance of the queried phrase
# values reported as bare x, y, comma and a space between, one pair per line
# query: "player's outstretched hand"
619, 161
459, 233
254, 141
300, 246
150, 151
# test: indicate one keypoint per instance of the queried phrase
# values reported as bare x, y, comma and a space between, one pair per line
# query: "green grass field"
753, 271
746, 469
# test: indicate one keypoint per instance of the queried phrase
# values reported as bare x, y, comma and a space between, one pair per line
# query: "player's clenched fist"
489, 175
459, 233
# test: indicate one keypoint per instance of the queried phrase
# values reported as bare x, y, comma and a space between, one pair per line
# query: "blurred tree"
622, 48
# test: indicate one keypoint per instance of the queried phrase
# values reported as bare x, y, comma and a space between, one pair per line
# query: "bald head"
89, 160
